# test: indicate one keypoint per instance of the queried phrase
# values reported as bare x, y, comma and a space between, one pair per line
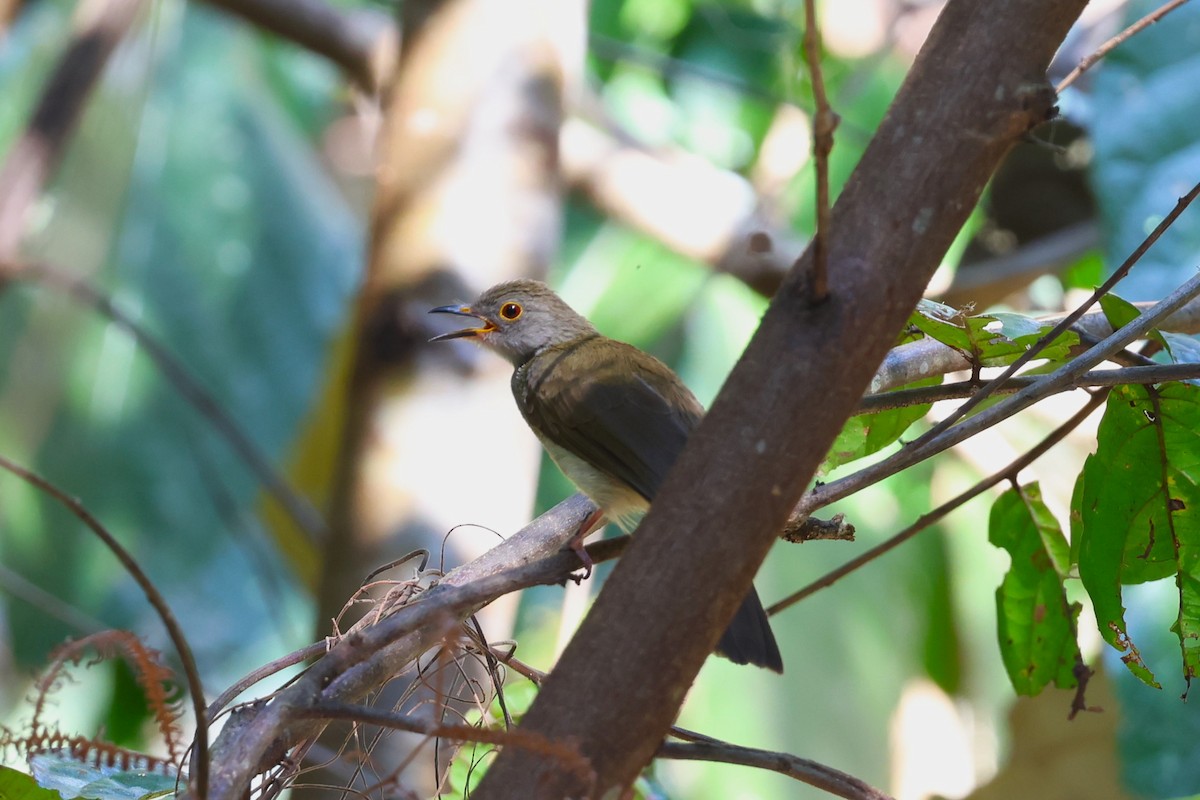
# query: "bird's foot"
589, 524
581, 552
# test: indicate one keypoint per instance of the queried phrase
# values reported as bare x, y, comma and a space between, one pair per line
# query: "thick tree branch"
978, 85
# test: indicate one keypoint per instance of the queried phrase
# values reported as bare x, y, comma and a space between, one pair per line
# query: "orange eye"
510, 311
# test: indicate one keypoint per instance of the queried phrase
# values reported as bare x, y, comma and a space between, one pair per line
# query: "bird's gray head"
519, 318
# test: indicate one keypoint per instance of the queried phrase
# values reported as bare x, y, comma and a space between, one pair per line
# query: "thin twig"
920, 395
1009, 472
1111, 44
822, 777
191, 673
824, 123
262, 673
296, 505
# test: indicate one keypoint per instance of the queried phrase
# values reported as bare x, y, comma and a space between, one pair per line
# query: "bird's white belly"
620, 504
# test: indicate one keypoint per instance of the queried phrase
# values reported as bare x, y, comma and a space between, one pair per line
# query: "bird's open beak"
462, 311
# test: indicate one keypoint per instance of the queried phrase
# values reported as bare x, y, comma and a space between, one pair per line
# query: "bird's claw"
582, 554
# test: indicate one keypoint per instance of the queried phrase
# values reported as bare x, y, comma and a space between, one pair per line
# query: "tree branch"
815, 774
928, 358
1114, 42
370, 655
824, 123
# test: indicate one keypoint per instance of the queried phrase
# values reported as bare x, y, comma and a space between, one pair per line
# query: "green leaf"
1118, 311
991, 340
1138, 509
864, 434
1180, 348
16, 785
1036, 622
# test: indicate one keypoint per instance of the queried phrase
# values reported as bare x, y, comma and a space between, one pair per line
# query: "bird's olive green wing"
624, 412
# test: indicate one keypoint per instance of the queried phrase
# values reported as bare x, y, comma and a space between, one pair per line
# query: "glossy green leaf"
1036, 621
991, 340
231, 245
1138, 509
1118, 311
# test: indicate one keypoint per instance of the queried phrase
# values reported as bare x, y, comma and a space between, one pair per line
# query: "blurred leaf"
71, 779
1159, 733
991, 340
238, 253
1138, 170
1087, 272
128, 713
1036, 622
929, 586
1138, 511
19, 786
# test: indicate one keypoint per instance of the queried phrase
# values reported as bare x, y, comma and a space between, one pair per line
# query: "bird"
612, 417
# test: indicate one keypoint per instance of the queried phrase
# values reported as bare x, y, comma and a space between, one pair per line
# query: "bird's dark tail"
748, 639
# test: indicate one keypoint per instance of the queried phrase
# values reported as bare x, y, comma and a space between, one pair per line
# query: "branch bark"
977, 86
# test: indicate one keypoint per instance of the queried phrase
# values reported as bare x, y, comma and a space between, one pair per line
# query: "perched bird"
613, 418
